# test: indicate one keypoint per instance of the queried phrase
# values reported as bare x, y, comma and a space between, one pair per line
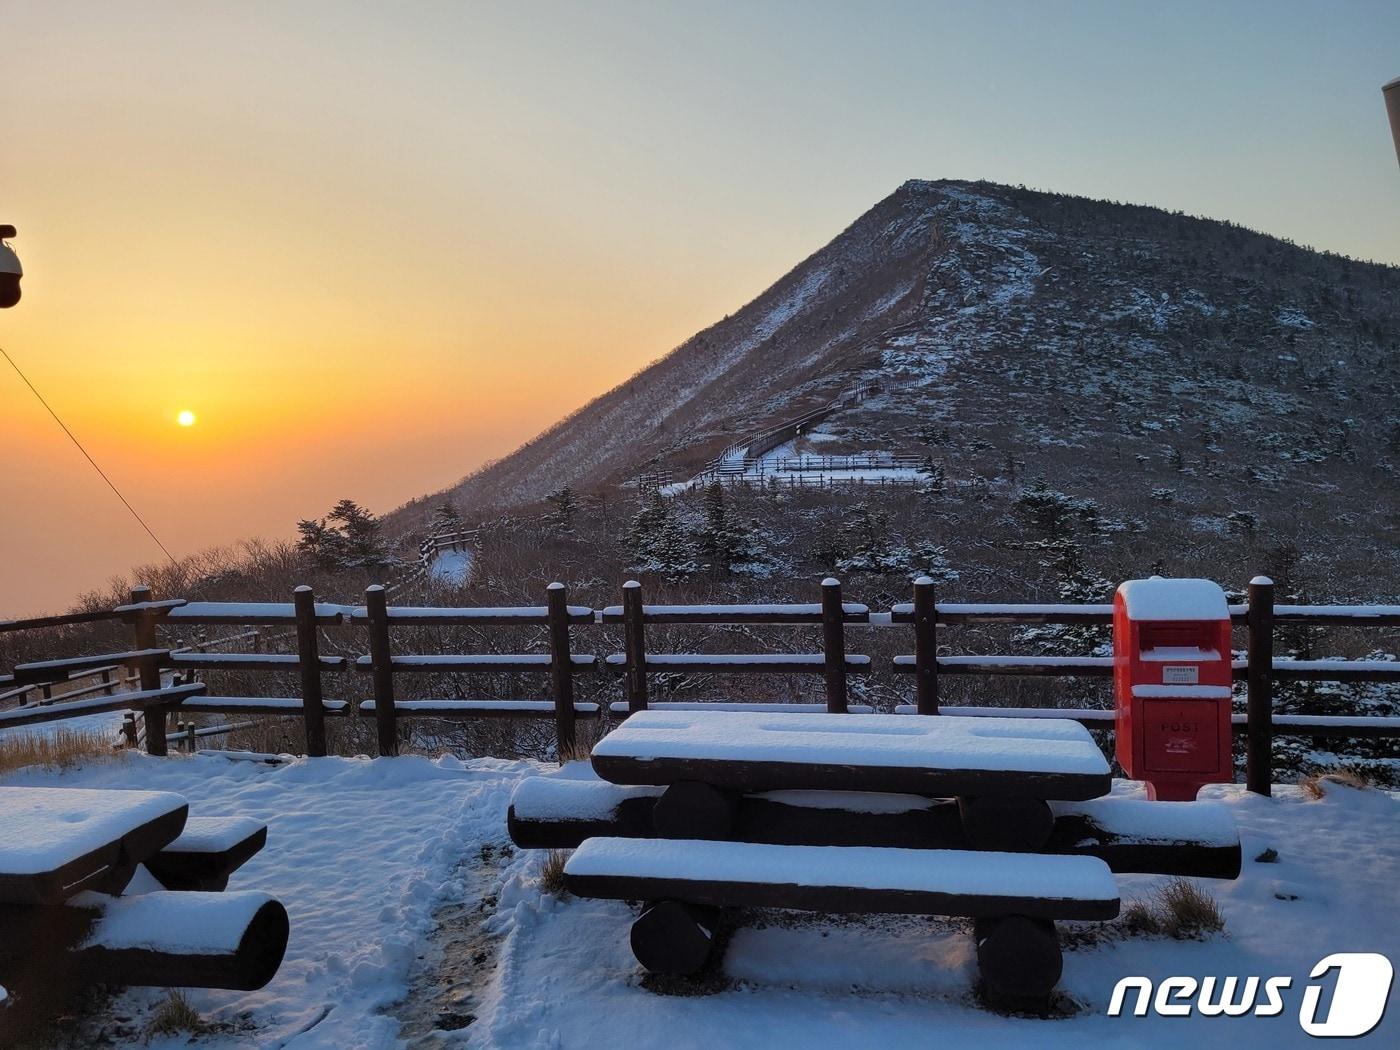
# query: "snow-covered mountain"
1007, 330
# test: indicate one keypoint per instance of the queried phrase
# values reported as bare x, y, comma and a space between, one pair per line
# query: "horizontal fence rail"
156, 681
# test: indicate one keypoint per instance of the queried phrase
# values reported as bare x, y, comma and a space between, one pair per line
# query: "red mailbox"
1171, 684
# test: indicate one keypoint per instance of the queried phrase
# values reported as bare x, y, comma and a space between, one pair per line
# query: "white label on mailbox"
1178, 675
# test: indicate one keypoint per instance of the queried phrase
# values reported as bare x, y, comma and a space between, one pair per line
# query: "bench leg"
674, 938
1017, 825
1019, 960
691, 810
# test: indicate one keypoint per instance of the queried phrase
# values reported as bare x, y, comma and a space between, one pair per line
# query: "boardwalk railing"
164, 675
458, 539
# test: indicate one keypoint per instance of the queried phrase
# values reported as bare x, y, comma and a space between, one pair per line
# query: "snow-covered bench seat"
1141, 835
843, 878
182, 939
1130, 835
1013, 897
208, 851
937, 757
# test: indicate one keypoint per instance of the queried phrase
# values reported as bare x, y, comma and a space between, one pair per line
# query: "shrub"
61, 749
552, 872
1315, 787
173, 1016
1178, 909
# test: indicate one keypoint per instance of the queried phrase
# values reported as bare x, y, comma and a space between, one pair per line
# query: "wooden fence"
923, 621
459, 539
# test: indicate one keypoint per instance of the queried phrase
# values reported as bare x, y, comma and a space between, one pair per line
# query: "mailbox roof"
1159, 599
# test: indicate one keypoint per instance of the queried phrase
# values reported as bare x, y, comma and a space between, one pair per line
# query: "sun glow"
185, 418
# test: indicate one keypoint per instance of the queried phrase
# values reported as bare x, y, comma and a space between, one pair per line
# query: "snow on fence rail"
158, 698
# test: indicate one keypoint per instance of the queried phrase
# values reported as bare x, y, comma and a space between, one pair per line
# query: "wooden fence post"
561, 669
634, 640
382, 669
925, 647
834, 645
129, 729
1259, 774
309, 665
107, 681
149, 674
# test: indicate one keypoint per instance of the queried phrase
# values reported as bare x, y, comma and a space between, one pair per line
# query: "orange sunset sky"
372, 246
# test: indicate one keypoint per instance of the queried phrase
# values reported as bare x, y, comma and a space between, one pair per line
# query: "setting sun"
185, 418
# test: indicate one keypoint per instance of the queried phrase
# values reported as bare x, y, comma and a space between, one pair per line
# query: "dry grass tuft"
1315, 786
61, 749
1187, 910
1178, 909
552, 872
173, 1016
1140, 919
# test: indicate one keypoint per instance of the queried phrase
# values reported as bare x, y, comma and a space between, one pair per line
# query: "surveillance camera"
10, 269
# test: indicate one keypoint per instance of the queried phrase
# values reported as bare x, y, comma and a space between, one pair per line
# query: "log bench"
66, 854
1131, 835
207, 852
1017, 897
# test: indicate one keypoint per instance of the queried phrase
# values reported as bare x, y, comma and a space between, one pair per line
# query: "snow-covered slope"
1003, 324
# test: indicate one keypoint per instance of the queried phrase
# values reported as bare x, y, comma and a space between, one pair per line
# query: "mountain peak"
1044, 326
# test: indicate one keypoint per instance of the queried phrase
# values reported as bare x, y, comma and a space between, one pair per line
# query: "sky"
372, 246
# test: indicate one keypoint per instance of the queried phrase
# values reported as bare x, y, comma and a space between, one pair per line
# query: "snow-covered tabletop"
53, 841
943, 756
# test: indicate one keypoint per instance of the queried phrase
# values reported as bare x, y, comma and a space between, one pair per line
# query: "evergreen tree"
446, 519
346, 538
565, 505
931, 560
324, 545
659, 542
869, 542
721, 539
933, 477
360, 529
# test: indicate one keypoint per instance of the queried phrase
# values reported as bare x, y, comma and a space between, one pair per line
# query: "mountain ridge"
963, 301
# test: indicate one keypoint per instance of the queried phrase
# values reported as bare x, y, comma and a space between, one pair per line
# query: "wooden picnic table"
56, 842
67, 855
945, 757
698, 812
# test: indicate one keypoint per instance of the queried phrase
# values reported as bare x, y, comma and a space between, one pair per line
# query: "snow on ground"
361, 851
106, 724
451, 567
358, 850
568, 979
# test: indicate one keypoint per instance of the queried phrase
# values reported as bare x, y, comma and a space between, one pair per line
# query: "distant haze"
372, 246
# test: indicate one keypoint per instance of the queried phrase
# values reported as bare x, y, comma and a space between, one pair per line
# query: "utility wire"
110, 484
